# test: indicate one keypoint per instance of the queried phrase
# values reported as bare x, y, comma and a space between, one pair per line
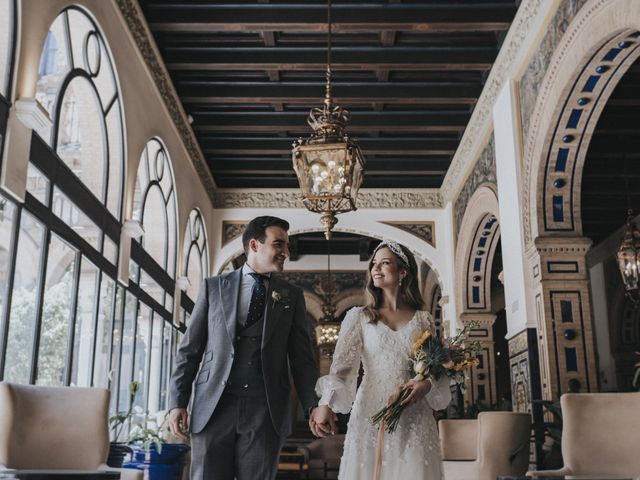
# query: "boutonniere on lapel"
280, 296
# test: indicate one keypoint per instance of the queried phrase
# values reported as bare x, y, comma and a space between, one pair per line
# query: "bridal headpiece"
395, 248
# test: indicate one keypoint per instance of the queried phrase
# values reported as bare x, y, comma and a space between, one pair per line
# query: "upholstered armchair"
600, 436
497, 443
55, 428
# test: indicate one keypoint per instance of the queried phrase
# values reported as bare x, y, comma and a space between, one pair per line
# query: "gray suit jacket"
207, 350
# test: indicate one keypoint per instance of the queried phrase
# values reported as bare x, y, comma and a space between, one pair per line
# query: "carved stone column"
563, 314
482, 384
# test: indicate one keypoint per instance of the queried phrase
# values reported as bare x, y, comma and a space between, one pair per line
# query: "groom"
248, 329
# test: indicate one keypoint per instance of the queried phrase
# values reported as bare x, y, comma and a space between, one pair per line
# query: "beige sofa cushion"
53, 428
458, 439
601, 433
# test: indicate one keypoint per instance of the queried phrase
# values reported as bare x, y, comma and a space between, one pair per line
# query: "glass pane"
85, 322
80, 28
6, 34
168, 302
126, 362
156, 228
134, 271
155, 370
24, 298
116, 156
54, 65
166, 366
194, 273
151, 287
115, 350
143, 343
69, 213
8, 212
56, 313
38, 184
110, 250
81, 135
103, 333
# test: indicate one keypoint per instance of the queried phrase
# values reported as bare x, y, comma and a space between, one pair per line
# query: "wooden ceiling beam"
361, 122
309, 93
281, 181
370, 146
342, 58
433, 17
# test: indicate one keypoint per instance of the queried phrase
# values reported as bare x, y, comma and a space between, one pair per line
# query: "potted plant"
155, 451
119, 449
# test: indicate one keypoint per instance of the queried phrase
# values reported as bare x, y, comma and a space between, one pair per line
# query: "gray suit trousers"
239, 442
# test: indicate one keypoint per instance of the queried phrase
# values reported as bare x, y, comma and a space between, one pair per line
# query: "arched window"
155, 206
7, 20
148, 332
78, 88
61, 310
195, 254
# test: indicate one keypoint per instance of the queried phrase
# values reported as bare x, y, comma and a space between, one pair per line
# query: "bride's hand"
419, 388
322, 421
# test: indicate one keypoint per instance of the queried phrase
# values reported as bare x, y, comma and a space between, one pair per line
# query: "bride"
380, 335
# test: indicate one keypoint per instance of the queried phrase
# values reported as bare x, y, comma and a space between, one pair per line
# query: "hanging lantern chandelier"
328, 328
628, 256
329, 165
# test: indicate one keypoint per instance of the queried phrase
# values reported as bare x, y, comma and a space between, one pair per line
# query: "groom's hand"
178, 421
322, 421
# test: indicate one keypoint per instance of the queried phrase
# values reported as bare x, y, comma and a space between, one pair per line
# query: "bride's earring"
400, 282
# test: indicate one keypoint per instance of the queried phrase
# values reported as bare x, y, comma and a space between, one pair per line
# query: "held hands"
322, 421
178, 421
418, 389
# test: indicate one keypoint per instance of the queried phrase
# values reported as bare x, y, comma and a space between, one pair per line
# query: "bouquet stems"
390, 414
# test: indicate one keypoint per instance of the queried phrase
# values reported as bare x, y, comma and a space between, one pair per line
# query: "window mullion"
72, 323
44, 261
11, 277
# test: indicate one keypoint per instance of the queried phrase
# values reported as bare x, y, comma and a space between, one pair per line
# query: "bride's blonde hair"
409, 292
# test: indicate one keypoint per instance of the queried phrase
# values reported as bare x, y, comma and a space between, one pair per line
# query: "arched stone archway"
477, 243
597, 49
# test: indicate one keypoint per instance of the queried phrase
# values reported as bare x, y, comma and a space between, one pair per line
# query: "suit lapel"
229, 290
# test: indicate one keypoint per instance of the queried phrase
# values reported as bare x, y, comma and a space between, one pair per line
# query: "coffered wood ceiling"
248, 72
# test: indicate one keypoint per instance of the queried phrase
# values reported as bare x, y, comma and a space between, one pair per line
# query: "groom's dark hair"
257, 228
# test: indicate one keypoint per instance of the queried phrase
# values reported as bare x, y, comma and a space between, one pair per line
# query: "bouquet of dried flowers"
433, 358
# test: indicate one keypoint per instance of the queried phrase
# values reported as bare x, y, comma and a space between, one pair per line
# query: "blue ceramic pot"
166, 465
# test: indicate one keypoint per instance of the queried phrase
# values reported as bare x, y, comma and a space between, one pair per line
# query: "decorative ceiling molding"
531, 12
232, 229
134, 18
290, 198
425, 231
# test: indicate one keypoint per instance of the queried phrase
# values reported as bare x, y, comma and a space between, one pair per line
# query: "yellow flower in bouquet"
423, 338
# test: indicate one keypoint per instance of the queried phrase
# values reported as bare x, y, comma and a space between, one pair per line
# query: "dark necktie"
258, 299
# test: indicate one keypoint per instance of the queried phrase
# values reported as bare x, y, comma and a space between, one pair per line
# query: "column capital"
559, 258
485, 319
566, 246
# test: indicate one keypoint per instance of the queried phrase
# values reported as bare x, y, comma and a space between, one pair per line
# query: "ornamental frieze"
427, 198
423, 230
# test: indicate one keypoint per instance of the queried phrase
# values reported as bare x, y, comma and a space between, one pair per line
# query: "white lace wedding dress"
412, 452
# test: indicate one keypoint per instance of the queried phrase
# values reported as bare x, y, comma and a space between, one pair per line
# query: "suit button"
238, 337
249, 363
246, 385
